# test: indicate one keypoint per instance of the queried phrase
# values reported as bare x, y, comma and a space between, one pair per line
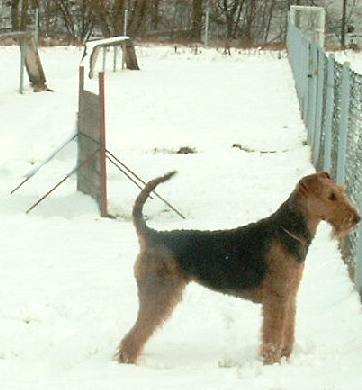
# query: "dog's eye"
332, 196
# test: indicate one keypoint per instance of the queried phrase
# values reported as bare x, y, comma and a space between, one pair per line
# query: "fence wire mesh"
338, 70
353, 179
320, 158
341, 118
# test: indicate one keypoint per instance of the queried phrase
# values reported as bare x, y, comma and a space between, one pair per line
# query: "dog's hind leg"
160, 288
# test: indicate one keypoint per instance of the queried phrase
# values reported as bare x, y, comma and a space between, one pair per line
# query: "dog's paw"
124, 358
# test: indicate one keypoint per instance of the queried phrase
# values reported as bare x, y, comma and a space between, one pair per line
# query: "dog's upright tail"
138, 219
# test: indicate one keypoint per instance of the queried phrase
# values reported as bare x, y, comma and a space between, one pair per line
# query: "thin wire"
62, 181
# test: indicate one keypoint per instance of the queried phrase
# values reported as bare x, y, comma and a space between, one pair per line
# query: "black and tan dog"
262, 261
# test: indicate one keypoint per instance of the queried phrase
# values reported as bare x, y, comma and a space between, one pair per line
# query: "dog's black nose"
356, 218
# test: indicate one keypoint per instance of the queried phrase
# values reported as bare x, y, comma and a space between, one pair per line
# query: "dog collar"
299, 239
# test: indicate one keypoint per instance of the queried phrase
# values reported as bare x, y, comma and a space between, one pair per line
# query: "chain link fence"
330, 98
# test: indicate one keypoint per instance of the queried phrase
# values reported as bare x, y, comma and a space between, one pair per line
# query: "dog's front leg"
288, 339
274, 319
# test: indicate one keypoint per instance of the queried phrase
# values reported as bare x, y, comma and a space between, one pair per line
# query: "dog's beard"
341, 230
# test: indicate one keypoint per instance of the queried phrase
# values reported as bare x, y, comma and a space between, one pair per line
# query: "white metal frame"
315, 32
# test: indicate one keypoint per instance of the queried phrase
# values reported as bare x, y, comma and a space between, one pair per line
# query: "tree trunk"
86, 23
138, 17
67, 16
34, 67
250, 22
343, 29
102, 17
155, 14
196, 20
130, 55
15, 15
119, 9
238, 17
24, 19
229, 24
270, 17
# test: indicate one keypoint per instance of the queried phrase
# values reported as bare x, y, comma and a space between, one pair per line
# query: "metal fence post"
115, 54
309, 87
304, 77
298, 68
125, 22
329, 113
102, 156
104, 59
312, 92
306, 81
319, 105
358, 259
343, 123
22, 63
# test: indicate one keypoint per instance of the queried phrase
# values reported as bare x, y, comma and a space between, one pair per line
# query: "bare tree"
138, 17
250, 17
247, 21
100, 11
343, 27
14, 15
119, 9
67, 16
267, 20
196, 20
155, 16
232, 11
24, 15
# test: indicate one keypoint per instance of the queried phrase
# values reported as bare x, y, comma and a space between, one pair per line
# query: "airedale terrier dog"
262, 261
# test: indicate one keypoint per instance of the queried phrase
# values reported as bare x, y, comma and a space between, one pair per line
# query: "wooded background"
240, 22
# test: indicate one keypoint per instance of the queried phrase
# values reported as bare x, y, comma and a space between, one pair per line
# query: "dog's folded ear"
303, 187
310, 184
324, 174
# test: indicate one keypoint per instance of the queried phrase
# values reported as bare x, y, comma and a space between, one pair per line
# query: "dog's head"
325, 200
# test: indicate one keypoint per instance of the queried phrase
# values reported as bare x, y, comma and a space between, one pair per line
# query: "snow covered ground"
354, 58
67, 290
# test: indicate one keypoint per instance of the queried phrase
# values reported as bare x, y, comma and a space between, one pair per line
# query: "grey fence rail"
330, 99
